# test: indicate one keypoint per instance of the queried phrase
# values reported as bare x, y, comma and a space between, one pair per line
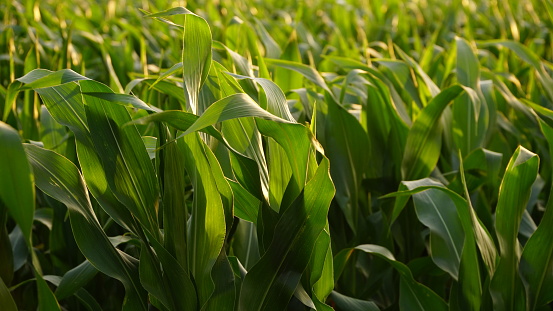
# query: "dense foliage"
276, 155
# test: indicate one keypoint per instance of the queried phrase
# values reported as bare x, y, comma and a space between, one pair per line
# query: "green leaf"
295, 139
175, 68
308, 72
196, 54
123, 99
270, 284
207, 227
246, 206
17, 192
346, 144
75, 279
537, 257
65, 104
321, 270
436, 211
527, 55
506, 286
432, 87
175, 211
46, 299
178, 119
42, 78
276, 100
470, 114
468, 68
231, 107
6, 299
469, 292
245, 244
424, 141
413, 295
60, 179
352, 304
129, 171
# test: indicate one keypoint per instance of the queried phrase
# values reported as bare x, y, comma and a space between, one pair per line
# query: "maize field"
251, 155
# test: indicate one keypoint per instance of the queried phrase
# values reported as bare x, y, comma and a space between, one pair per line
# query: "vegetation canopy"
276, 155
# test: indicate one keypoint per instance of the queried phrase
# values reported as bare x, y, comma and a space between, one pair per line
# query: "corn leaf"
17, 192
506, 286
413, 295
60, 179
270, 284
6, 298
537, 256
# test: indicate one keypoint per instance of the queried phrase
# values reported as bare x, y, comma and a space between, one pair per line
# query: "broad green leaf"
123, 99
42, 78
424, 141
295, 139
65, 104
6, 251
170, 282
272, 49
207, 228
150, 143
75, 279
537, 257
6, 299
196, 54
153, 281
245, 244
346, 144
436, 211
413, 295
175, 211
246, 172
276, 100
60, 179
308, 72
321, 270
17, 192
53, 135
231, 107
286, 79
506, 286
128, 168
468, 68
470, 115
196, 58
270, 284
225, 293
402, 75
178, 119
352, 304
246, 206
174, 69
432, 87
46, 299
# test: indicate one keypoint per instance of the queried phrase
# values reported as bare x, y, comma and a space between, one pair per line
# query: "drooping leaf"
6, 299
60, 179
353, 304
17, 192
413, 295
75, 279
